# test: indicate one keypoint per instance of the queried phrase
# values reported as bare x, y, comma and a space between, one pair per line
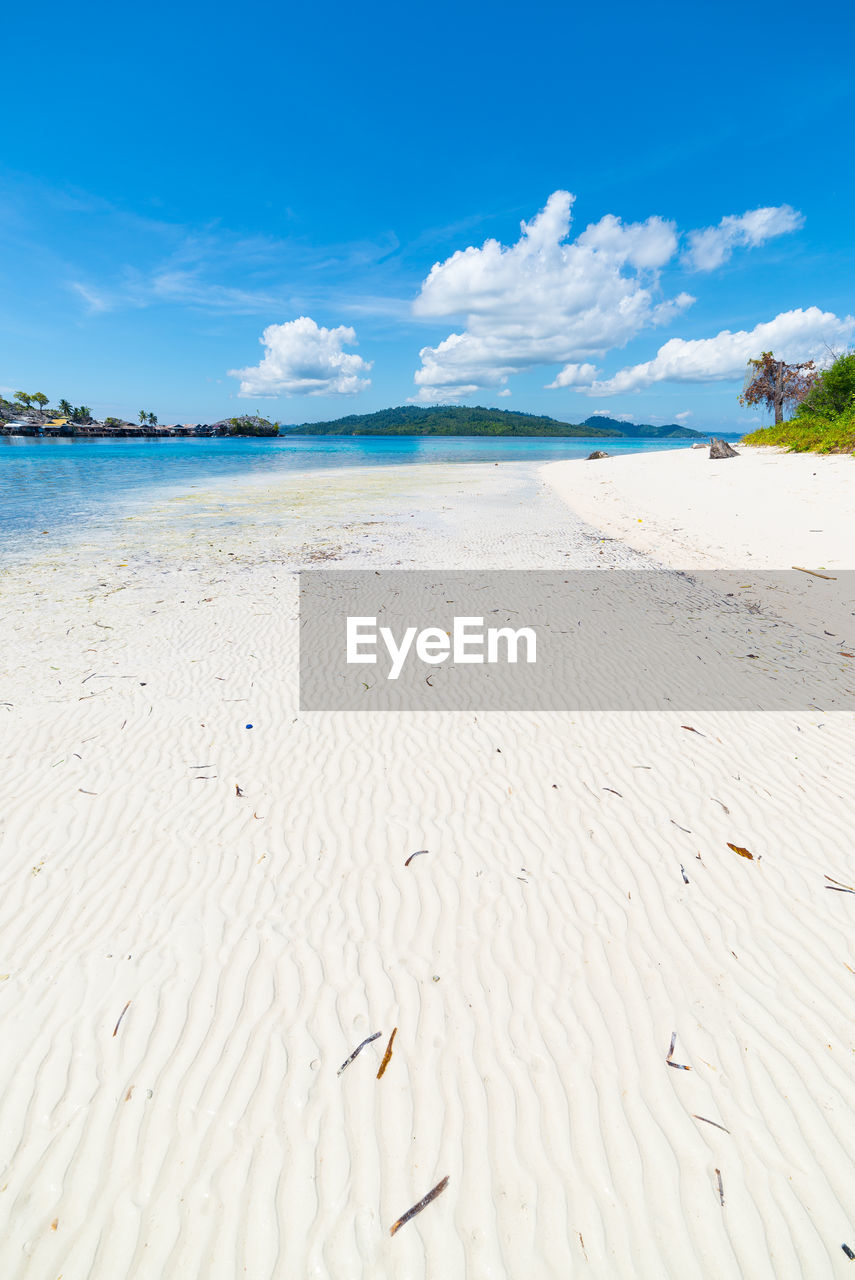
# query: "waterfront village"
30, 415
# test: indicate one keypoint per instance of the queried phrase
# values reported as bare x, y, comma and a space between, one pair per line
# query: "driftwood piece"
721, 449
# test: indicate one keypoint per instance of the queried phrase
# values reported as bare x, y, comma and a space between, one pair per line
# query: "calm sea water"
66, 486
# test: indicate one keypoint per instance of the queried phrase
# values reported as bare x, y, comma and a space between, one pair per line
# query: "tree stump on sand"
598, 453
721, 449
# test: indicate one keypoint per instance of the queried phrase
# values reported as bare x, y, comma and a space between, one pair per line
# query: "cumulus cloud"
709, 247
574, 375
302, 358
543, 300
792, 335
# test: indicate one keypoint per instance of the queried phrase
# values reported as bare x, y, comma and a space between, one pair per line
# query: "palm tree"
143, 417
65, 408
152, 418
82, 413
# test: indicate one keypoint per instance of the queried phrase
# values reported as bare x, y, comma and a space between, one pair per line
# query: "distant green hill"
465, 420
445, 420
636, 430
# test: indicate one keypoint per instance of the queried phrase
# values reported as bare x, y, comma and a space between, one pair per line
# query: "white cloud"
684, 416
711, 246
574, 375
544, 299
302, 358
443, 395
792, 335
506, 391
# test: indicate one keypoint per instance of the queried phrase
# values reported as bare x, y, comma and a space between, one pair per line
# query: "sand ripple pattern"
535, 961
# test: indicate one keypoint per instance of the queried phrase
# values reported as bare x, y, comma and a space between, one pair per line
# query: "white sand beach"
205, 907
767, 510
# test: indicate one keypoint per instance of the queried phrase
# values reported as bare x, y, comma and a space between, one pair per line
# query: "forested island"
31, 415
463, 420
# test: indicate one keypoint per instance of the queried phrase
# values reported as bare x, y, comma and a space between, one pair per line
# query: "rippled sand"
199, 921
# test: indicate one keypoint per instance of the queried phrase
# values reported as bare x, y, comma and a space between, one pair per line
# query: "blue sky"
178, 183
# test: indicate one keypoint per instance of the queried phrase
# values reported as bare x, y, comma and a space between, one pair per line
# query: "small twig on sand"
357, 1051
388, 1054
678, 1066
828, 576
417, 1208
121, 1015
839, 886
418, 853
713, 1122
720, 1185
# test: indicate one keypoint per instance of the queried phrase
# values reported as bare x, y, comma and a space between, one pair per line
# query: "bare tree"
776, 384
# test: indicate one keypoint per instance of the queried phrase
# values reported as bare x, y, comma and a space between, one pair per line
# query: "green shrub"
833, 390
810, 432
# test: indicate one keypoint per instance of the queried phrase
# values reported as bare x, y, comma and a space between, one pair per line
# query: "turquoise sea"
63, 487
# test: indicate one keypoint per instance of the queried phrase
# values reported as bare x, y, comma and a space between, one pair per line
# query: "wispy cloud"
710, 247
214, 268
94, 299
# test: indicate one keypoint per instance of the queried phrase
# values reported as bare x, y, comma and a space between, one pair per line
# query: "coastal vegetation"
250, 425
465, 420
27, 399
30, 413
34, 404
824, 418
